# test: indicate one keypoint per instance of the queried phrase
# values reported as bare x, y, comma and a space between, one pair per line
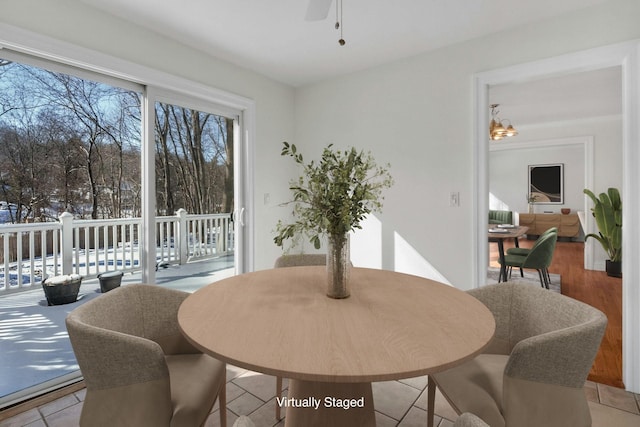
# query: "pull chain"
339, 21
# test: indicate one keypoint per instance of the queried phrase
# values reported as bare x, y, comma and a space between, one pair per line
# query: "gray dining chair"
469, 420
298, 260
535, 367
244, 421
138, 367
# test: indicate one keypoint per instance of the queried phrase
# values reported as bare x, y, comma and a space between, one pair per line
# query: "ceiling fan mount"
318, 10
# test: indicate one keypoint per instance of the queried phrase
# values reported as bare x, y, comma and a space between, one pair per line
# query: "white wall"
508, 177
508, 168
418, 114
607, 138
79, 24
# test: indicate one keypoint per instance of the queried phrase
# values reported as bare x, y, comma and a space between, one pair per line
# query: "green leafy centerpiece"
330, 199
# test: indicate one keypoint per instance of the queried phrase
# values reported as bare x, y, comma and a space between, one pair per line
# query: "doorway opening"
624, 55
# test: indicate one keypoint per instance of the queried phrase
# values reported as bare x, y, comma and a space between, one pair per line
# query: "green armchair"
538, 258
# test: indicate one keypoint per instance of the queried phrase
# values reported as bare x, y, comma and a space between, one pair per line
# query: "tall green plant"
607, 211
334, 194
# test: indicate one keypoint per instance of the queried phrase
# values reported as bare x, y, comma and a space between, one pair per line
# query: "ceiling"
273, 38
577, 96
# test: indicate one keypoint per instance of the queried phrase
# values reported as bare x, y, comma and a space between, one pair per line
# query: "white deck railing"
31, 252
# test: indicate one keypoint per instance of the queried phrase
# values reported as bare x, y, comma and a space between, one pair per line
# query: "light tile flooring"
398, 403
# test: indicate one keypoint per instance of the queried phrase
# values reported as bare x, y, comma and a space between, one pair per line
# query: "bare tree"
190, 149
165, 202
85, 136
228, 165
98, 119
22, 171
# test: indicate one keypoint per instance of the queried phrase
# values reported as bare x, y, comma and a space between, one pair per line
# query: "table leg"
331, 400
431, 401
503, 268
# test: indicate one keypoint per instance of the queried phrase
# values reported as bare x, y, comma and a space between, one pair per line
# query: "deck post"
66, 244
183, 232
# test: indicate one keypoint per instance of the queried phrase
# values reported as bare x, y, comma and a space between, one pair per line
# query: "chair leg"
542, 278
278, 397
431, 400
545, 273
521, 272
222, 400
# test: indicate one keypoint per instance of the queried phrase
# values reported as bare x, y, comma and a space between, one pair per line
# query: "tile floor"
398, 403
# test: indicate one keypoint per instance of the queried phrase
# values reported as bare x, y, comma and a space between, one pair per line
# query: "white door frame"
627, 56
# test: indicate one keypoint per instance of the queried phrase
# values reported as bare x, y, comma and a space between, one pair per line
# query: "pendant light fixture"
497, 129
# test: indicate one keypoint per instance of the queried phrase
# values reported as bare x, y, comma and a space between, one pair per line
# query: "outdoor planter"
62, 289
110, 280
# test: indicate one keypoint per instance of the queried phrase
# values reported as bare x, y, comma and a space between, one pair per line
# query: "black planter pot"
60, 292
109, 280
614, 268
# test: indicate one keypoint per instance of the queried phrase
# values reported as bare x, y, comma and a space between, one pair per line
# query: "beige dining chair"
138, 368
469, 420
243, 421
535, 367
298, 260
295, 260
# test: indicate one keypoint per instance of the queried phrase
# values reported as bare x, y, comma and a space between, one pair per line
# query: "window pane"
194, 161
67, 144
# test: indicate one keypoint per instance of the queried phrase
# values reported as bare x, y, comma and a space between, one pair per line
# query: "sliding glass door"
161, 175
197, 145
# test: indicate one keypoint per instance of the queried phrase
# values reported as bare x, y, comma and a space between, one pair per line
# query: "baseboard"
18, 408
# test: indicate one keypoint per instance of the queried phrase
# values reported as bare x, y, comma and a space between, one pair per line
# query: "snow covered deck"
34, 345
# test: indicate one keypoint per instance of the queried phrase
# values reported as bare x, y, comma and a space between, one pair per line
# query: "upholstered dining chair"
525, 251
295, 260
138, 368
469, 420
538, 258
535, 367
243, 421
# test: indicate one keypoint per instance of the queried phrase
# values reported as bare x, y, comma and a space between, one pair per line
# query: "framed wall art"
546, 184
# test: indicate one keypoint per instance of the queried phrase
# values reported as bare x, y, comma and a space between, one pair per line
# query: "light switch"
454, 199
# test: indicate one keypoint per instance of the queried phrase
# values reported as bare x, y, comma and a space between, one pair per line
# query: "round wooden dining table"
281, 322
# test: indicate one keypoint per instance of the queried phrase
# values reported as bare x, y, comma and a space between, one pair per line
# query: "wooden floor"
596, 289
